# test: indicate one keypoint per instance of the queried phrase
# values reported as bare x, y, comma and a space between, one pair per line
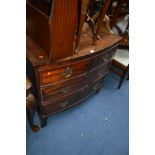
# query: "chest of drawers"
64, 64
65, 83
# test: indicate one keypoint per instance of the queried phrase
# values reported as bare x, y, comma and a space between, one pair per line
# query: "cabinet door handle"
64, 104
68, 72
64, 90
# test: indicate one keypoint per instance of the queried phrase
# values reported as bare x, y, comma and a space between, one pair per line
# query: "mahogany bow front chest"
61, 81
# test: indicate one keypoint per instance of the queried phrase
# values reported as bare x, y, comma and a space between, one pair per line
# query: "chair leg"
121, 81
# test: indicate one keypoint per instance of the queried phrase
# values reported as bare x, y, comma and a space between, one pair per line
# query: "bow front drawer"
100, 59
53, 92
63, 73
65, 102
98, 72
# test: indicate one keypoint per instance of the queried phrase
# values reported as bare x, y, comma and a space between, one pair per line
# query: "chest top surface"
38, 57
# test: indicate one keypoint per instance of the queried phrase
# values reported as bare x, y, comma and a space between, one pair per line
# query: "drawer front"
98, 72
102, 58
69, 101
61, 104
53, 92
64, 73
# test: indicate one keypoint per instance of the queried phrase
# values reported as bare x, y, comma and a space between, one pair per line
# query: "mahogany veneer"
65, 83
60, 77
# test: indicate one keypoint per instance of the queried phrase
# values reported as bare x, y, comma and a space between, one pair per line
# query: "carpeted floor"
98, 126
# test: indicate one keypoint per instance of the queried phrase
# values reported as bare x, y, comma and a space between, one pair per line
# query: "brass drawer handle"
100, 74
64, 104
82, 90
104, 59
68, 72
85, 86
96, 86
65, 90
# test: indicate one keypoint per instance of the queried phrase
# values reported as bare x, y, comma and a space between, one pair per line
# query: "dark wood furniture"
30, 106
64, 81
101, 16
45, 28
117, 10
124, 43
117, 14
120, 65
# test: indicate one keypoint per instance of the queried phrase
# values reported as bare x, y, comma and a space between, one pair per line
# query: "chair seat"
122, 24
122, 56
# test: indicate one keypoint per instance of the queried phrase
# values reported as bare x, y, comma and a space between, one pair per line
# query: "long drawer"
63, 89
70, 100
60, 90
63, 103
102, 58
56, 75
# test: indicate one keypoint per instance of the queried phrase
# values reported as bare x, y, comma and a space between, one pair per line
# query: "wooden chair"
117, 10
119, 23
120, 64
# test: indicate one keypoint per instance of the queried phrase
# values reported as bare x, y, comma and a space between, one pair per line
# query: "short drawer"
59, 90
100, 59
51, 76
98, 72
